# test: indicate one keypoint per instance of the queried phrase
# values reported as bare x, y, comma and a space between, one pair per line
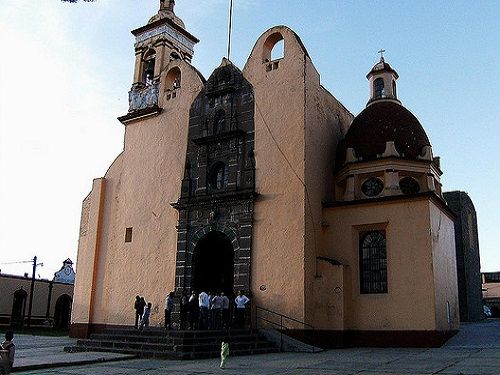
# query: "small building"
51, 305
66, 274
467, 253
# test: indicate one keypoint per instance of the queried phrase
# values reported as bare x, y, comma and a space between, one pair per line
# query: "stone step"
161, 332
172, 339
160, 343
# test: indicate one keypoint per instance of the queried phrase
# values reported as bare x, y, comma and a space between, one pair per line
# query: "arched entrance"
213, 264
62, 313
18, 308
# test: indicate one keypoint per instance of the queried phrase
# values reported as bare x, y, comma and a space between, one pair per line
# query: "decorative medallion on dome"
409, 185
372, 187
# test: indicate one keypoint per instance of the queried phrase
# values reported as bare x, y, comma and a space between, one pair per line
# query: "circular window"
409, 185
372, 187
218, 177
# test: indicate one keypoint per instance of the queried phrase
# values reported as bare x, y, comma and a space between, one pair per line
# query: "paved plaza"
475, 350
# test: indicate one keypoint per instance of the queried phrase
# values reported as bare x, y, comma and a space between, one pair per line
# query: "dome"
383, 121
167, 14
382, 66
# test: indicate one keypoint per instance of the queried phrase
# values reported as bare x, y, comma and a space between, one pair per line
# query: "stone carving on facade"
144, 95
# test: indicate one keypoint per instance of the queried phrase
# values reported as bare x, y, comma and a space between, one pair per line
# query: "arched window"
218, 176
149, 66
220, 122
378, 88
274, 48
394, 93
373, 262
409, 185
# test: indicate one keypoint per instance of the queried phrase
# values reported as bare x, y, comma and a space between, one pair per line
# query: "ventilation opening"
128, 234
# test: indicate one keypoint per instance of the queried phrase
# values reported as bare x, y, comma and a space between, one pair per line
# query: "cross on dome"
381, 54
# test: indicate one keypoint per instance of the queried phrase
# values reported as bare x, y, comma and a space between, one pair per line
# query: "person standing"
184, 307
141, 306
210, 312
204, 304
169, 307
145, 316
216, 309
239, 313
194, 311
8, 351
137, 307
225, 311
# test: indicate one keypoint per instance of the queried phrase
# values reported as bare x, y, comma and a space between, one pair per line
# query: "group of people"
197, 311
142, 312
206, 310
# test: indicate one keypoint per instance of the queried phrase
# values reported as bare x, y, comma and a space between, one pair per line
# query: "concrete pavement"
474, 351
42, 352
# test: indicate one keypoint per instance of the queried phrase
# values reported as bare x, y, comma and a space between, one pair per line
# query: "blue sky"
66, 70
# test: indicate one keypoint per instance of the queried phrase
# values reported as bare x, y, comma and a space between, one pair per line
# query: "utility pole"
230, 29
32, 289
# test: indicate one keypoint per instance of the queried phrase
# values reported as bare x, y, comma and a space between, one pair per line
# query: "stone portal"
214, 232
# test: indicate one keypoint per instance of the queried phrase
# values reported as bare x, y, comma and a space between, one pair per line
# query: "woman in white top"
239, 313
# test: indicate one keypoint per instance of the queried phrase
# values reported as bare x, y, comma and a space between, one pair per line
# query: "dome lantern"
382, 78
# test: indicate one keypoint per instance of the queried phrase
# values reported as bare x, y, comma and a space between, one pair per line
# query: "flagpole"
230, 29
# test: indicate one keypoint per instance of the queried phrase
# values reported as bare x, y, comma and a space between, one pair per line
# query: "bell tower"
163, 39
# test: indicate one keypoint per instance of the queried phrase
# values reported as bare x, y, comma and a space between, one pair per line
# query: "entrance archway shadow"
18, 308
62, 313
213, 264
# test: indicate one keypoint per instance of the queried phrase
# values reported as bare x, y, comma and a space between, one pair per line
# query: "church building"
260, 179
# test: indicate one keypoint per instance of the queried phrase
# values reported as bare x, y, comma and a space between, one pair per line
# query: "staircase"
159, 343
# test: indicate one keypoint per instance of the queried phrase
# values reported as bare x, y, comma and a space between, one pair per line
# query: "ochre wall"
278, 227
409, 264
327, 310
139, 190
445, 269
326, 123
88, 250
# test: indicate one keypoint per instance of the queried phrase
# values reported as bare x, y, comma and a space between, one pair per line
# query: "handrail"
284, 316
281, 326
